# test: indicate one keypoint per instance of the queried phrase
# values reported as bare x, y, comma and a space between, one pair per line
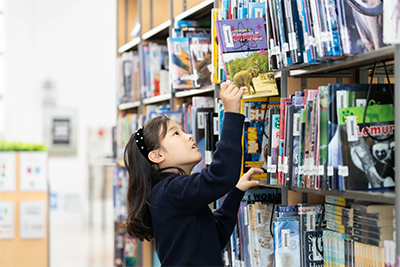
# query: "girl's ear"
156, 156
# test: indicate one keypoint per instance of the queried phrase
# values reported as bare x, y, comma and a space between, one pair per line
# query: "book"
255, 139
261, 241
368, 241
372, 222
340, 211
243, 225
372, 228
367, 163
200, 59
300, 177
348, 222
179, 62
282, 122
313, 243
337, 227
298, 105
368, 207
373, 235
338, 201
288, 152
210, 135
273, 161
198, 119
245, 55
287, 243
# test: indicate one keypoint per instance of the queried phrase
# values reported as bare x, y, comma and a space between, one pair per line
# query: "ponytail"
143, 176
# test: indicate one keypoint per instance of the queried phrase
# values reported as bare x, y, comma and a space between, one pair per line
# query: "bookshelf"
345, 70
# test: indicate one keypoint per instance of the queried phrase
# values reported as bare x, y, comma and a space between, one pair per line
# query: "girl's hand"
230, 96
245, 181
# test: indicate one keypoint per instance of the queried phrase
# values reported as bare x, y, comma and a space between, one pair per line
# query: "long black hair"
143, 176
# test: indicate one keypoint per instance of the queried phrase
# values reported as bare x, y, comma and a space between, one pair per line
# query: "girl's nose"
190, 137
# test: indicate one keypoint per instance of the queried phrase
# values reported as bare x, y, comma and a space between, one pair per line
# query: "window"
2, 66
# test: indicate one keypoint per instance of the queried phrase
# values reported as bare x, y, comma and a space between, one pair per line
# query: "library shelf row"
166, 97
161, 31
360, 60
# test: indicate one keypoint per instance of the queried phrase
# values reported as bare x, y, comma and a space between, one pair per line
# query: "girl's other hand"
230, 96
245, 181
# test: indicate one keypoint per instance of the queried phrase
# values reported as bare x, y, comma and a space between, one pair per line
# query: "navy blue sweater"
186, 232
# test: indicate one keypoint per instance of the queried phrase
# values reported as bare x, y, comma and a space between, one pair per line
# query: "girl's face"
179, 149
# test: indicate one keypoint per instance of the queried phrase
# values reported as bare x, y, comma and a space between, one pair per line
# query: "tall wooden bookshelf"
353, 69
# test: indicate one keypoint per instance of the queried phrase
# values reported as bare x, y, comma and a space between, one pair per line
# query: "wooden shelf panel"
157, 99
131, 45
197, 11
379, 197
130, 105
359, 60
193, 92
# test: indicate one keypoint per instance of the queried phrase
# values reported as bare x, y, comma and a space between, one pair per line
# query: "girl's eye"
176, 133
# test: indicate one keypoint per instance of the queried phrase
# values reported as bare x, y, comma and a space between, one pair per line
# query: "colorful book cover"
273, 162
287, 243
255, 141
313, 244
366, 162
179, 63
200, 58
244, 51
262, 242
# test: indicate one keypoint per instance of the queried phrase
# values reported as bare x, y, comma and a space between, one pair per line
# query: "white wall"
72, 43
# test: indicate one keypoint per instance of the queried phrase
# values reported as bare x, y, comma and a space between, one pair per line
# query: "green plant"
21, 146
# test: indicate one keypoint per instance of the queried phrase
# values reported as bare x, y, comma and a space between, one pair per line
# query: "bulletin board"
24, 214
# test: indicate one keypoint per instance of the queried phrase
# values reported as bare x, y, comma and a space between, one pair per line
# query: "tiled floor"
76, 244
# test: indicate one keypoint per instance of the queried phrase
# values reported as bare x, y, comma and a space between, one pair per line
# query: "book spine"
339, 219
341, 211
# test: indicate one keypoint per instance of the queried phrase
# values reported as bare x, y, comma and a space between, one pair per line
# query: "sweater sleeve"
193, 192
225, 217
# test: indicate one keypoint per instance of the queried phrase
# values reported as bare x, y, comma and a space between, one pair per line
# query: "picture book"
179, 62
367, 150
244, 52
287, 243
200, 59
262, 242
255, 141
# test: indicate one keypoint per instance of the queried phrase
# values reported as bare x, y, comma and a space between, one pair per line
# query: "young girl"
167, 202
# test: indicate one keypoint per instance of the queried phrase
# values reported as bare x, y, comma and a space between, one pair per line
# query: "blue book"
287, 243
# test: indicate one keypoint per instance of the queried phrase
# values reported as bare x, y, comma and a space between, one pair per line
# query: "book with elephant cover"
244, 51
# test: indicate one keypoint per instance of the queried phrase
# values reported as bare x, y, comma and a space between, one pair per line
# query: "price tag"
330, 170
226, 29
352, 134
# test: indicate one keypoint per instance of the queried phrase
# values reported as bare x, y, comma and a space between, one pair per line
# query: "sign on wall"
7, 171
32, 216
7, 220
60, 127
33, 171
